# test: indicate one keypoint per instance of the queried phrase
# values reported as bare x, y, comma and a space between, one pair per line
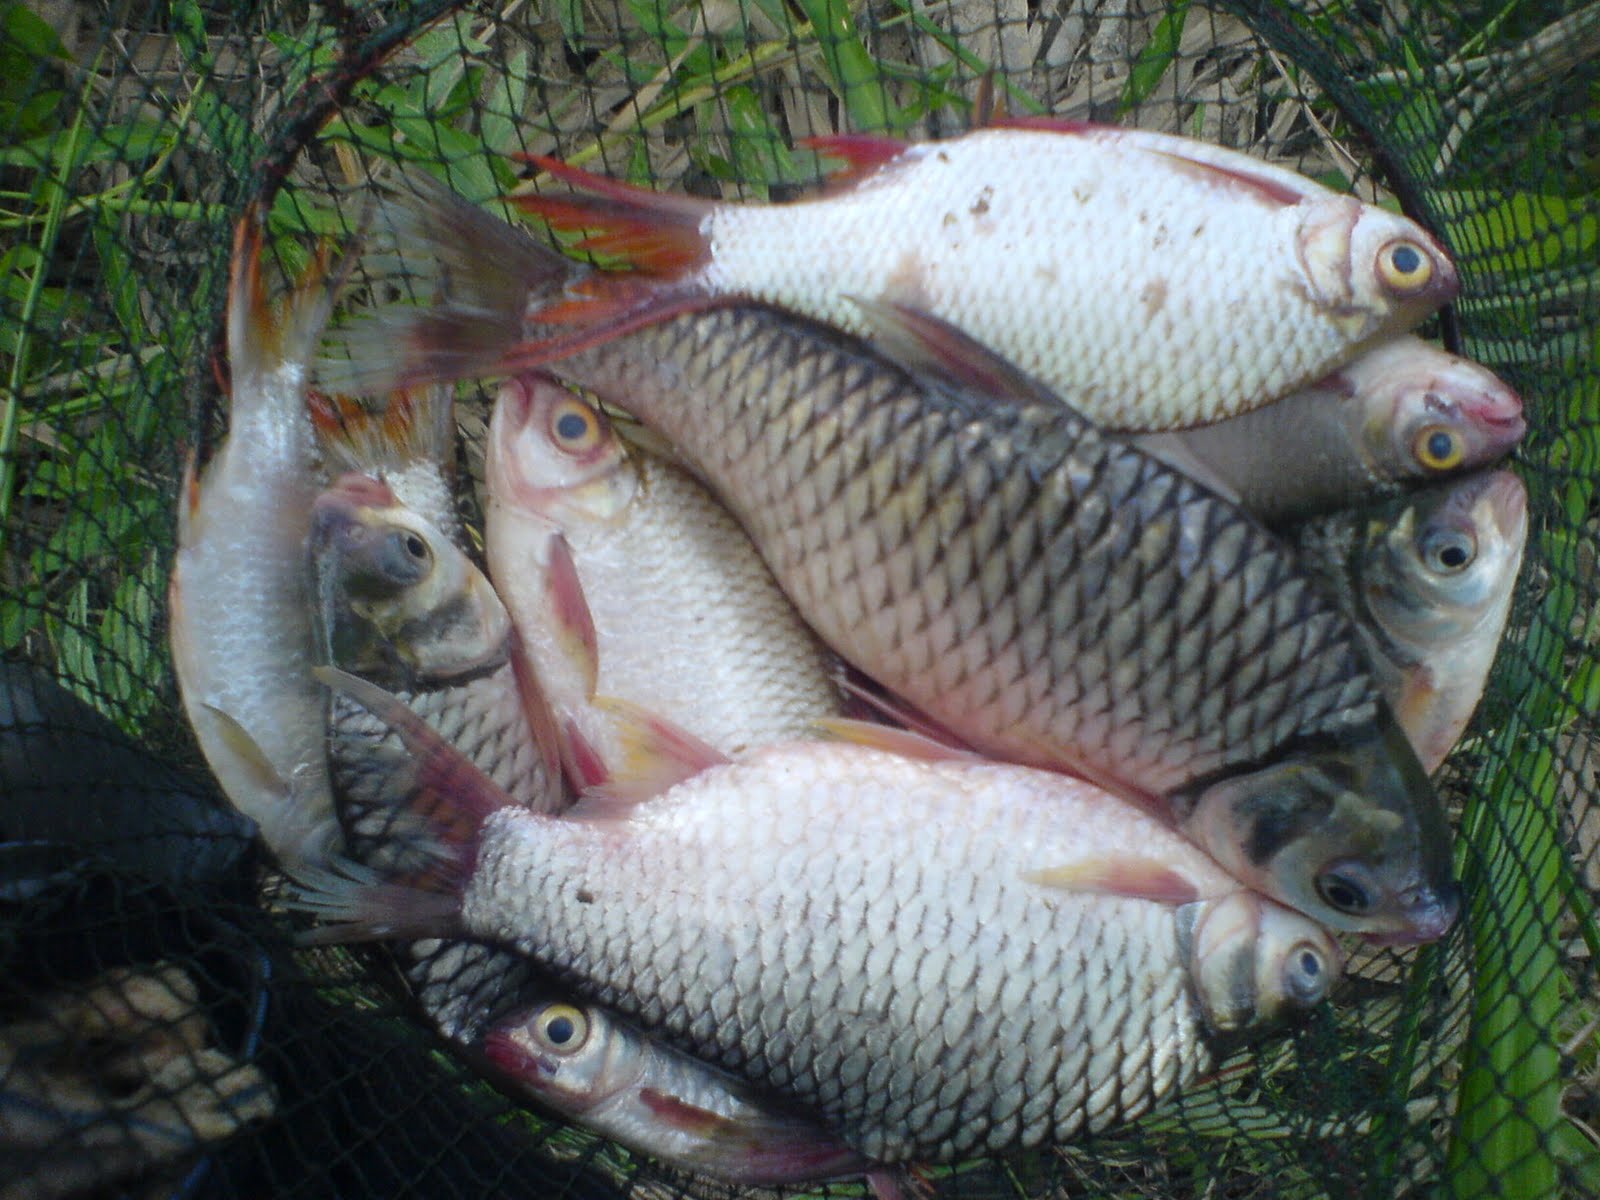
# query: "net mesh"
159, 1035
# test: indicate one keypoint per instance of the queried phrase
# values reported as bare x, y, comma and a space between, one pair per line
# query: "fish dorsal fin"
657, 233
904, 742
933, 348
1128, 875
863, 155
1271, 186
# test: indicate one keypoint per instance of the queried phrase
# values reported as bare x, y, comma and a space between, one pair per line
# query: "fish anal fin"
904, 742
1126, 875
926, 345
863, 155
655, 753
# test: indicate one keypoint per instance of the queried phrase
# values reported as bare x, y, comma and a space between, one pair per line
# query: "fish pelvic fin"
654, 756
416, 425
655, 233
1124, 875
450, 795
905, 742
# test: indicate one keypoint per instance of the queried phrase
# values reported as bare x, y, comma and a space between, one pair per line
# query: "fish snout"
1508, 500
1427, 912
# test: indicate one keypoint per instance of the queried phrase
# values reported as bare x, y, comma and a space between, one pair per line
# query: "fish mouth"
1428, 913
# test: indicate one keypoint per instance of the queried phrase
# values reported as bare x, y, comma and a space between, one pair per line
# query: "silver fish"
630, 583
1048, 595
939, 958
238, 599
602, 1073
1428, 581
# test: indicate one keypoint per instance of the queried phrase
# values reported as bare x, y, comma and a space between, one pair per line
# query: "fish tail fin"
655, 233
356, 904
263, 335
474, 277
442, 802
417, 425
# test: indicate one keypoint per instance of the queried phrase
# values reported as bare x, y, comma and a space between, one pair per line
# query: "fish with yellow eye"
1402, 414
1428, 580
1082, 253
597, 1070
634, 592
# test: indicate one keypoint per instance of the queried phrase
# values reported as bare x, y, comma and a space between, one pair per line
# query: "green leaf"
29, 33
1157, 57
853, 71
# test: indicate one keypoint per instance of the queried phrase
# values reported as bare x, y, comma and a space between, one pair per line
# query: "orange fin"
1121, 875
928, 346
570, 610
904, 742
415, 426
863, 154
654, 232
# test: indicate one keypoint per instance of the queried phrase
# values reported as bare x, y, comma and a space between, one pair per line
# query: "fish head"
554, 455
394, 595
1427, 414
1373, 272
1253, 962
1349, 833
574, 1058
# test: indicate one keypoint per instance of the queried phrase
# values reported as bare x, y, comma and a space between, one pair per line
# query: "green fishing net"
132, 134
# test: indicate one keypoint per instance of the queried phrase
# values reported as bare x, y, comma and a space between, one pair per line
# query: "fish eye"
1306, 975
1448, 551
1343, 893
416, 547
405, 557
575, 427
1405, 267
1438, 448
563, 1027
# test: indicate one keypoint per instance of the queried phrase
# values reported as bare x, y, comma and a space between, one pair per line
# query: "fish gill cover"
158, 1030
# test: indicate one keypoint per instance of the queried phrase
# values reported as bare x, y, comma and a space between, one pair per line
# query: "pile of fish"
1008, 639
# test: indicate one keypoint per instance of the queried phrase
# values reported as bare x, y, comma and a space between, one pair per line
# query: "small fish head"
1253, 962
1370, 270
1349, 834
1442, 418
561, 1052
393, 592
553, 454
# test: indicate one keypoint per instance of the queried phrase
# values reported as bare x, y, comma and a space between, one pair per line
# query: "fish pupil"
1309, 964
571, 426
414, 546
560, 1030
1439, 446
1405, 259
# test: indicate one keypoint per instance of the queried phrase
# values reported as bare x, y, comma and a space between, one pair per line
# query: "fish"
630, 583
1402, 414
940, 956
1428, 581
590, 1067
1048, 595
238, 598
1217, 282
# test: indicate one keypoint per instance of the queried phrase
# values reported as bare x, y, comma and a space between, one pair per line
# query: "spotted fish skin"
1082, 253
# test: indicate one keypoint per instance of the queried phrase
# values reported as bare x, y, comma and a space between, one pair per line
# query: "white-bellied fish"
1154, 281
940, 957
630, 583
1404, 413
238, 601
1428, 580
1047, 594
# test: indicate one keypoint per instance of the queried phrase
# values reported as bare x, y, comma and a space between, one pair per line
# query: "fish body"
1048, 595
1428, 581
938, 958
587, 1065
1265, 279
238, 598
666, 605
1402, 414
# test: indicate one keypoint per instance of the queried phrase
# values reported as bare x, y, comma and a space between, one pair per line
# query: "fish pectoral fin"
247, 752
1126, 875
1173, 449
936, 350
569, 610
904, 742
356, 904
690, 1118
